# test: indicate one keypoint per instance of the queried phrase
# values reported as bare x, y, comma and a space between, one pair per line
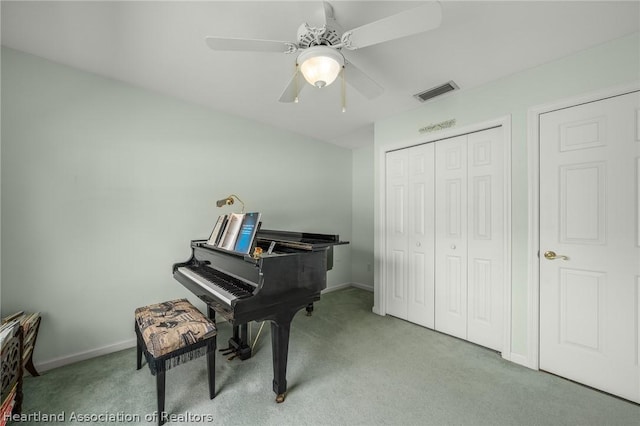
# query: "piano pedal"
232, 357
228, 352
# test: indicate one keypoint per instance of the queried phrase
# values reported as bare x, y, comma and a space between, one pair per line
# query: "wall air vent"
436, 91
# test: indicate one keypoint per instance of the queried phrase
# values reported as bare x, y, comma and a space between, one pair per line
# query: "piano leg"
309, 309
280, 328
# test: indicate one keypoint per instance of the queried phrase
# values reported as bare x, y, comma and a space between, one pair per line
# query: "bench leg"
211, 367
138, 357
160, 381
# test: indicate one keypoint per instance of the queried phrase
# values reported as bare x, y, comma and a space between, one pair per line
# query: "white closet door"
451, 236
420, 288
485, 238
444, 255
470, 239
397, 232
409, 228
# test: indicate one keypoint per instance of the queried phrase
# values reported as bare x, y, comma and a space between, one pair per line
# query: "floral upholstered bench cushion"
170, 326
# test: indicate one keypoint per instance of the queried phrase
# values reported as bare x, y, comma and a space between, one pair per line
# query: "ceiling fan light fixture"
320, 65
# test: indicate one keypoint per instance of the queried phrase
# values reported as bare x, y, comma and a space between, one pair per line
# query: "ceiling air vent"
436, 91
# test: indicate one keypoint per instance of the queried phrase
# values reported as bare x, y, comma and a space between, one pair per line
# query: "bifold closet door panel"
409, 234
397, 232
451, 236
485, 238
421, 250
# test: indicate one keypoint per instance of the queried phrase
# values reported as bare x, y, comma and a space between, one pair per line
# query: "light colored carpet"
347, 366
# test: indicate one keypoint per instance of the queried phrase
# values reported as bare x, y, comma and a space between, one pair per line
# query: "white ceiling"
160, 46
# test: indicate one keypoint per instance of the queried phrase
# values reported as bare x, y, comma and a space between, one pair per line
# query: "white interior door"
590, 244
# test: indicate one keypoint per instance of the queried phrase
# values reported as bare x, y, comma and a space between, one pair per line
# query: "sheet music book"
247, 232
234, 223
218, 229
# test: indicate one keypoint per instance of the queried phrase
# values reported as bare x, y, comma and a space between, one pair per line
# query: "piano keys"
226, 287
287, 277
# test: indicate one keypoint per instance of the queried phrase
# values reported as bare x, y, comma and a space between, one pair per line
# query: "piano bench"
172, 333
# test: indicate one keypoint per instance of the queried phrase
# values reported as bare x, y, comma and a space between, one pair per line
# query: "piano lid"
299, 240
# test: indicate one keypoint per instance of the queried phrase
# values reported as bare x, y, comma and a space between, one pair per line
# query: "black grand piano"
286, 277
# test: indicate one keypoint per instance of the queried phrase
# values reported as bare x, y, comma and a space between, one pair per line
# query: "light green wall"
607, 65
104, 184
362, 226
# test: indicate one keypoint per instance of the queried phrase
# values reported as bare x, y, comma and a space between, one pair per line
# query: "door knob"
551, 255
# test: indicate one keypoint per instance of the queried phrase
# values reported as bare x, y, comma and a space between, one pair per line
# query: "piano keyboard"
225, 287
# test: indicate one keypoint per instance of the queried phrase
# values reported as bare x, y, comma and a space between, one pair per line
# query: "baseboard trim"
520, 360
82, 356
347, 285
336, 287
361, 286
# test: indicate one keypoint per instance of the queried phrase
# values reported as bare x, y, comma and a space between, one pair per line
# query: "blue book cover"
247, 232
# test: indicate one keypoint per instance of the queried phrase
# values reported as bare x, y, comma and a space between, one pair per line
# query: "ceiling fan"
321, 49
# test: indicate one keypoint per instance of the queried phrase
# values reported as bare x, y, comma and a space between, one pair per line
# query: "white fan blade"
293, 89
327, 12
361, 82
330, 18
412, 21
250, 45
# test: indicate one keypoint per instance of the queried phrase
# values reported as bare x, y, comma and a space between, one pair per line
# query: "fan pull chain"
344, 92
295, 77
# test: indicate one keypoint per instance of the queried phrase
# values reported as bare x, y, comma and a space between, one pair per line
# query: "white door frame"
380, 286
533, 149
